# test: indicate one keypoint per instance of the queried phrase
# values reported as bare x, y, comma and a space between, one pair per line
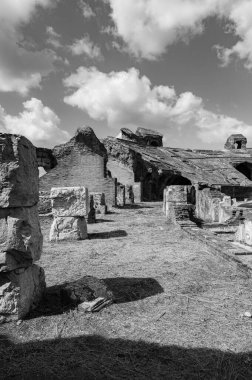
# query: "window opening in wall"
238, 145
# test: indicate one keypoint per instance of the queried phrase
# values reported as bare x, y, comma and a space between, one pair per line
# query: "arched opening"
153, 143
153, 188
238, 145
246, 169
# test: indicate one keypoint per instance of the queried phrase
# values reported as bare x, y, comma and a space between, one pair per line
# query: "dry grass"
177, 316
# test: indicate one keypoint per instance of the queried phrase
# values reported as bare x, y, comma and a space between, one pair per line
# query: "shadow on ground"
104, 221
95, 357
133, 289
122, 290
107, 235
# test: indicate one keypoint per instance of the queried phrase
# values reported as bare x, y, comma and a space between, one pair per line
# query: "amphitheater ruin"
208, 193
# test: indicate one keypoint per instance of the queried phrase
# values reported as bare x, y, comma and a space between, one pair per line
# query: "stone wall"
81, 165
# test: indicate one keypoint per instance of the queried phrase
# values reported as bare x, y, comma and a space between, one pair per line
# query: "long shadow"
134, 206
104, 221
122, 289
107, 235
133, 289
95, 357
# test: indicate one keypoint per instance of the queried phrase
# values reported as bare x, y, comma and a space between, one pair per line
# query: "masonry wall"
81, 168
123, 174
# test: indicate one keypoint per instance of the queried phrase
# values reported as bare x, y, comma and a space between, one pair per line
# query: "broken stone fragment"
69, 201
21, 291
68, 228
20, 235
85, 289
18, 172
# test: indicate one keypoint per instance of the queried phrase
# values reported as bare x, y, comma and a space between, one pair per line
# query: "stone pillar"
91, 215
99, 203
22, 283
176, 203
138, 192
129, 195
120, 195
70, 205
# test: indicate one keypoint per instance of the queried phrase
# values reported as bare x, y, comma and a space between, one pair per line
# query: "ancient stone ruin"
70, 206
22, 283
82, 161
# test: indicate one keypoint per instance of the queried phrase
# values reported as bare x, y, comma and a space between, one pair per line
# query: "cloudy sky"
182, 67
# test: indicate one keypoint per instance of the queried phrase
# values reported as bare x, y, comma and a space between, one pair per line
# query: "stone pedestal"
120, 199
68, 228
99, 203
70, 205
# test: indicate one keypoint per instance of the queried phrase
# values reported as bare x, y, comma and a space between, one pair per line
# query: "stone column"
99, 203
176, 203
70, 206
22, 283
120, 195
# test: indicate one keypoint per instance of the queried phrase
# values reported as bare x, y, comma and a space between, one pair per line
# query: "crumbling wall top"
85, 139
236, 141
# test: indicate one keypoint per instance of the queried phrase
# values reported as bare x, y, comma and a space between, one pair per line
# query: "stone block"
21, 291
18, 172
120, 199
68, 228
20, 235
91, 215
69, 201
99, 203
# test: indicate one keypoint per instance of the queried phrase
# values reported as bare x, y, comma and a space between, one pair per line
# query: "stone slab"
18, 172
69, 201
68, 228
21, 291
20, 235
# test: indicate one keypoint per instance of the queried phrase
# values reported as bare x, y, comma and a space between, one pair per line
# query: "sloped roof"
199, 166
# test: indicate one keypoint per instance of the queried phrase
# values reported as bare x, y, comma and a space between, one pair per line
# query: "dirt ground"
178, 315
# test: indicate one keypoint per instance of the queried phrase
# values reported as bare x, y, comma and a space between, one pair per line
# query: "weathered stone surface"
45, 204
99, 202
21, 291
68, 228
20, 235
120, 195
91, 215
244, 232
18, 172
70, 201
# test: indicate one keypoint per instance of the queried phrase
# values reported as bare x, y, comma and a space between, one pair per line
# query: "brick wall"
123, 174
81, 168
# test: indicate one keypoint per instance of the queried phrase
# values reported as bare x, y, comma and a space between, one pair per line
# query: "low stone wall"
212, 205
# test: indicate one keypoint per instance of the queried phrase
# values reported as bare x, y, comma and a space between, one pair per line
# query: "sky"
181, 67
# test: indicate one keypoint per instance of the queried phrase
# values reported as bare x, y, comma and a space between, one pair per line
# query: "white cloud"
86, 47
53, 37
125, 99
240, 14
149, 26
20, 69
86, 10
37, 122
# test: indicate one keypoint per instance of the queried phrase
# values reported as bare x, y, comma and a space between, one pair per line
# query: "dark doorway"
246, 169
